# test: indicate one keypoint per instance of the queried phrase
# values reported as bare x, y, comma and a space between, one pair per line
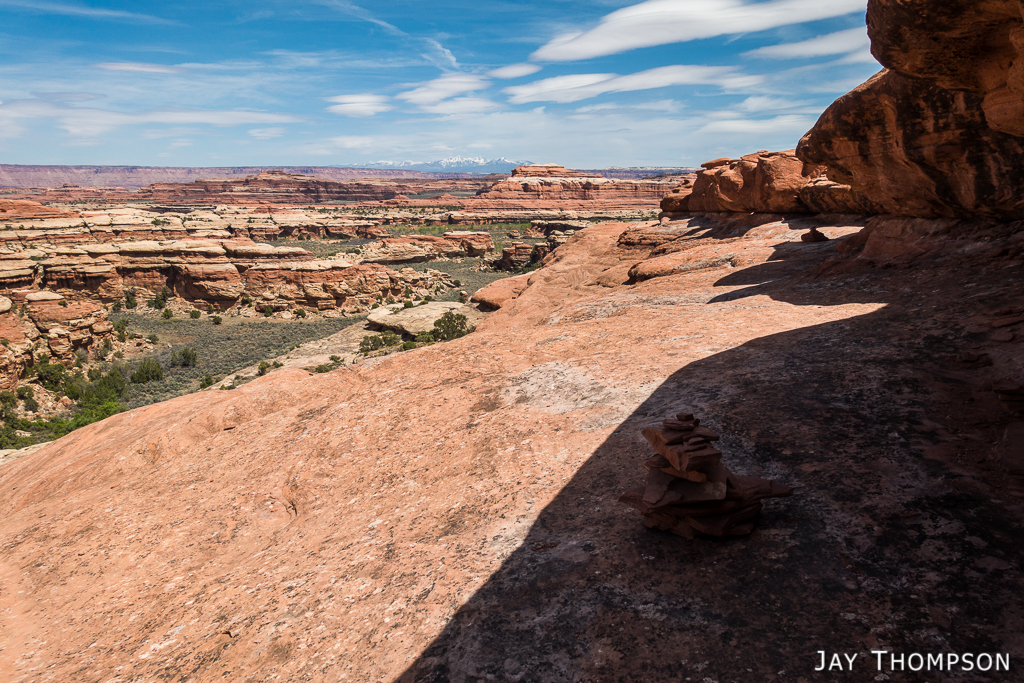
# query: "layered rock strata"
557, 187
274, 187
210, 272
419, 248
690, 492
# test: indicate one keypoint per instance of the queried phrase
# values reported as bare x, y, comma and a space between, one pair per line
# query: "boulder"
413, 321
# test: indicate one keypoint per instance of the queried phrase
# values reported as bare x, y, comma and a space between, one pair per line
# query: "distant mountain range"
449, 165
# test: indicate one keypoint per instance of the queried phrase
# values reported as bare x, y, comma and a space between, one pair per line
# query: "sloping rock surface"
450, 513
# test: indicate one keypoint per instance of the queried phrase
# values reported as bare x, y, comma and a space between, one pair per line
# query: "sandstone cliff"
940, 132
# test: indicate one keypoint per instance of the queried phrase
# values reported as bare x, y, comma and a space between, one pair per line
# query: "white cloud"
668, 106
582, 86
794, 125
442, 88
137, 67
89, 123
461, 105
514, 71
662, 22
266, 133
359, 106
764, 103
841, 42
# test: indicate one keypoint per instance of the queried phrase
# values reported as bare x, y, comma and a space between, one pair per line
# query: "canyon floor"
451, 514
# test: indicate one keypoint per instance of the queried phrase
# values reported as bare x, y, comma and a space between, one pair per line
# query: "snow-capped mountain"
456, 164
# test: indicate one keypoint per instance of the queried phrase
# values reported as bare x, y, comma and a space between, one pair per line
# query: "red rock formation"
420, 248
937, 133
24, 209
763, 182
272, 186
547, 187
550, 171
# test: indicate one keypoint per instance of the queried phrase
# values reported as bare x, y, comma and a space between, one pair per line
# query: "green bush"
428, 298
425, 337
300, 313
408, 292
323, 368
389, 338
194, 314
185, 357
31, 404
451, 326
51, 376
371, 343
121, 327
245, 301
8, 399
160, 300
268, 311
148, 371
153, 339
207, 382
408, 304
217, 320
264, 366
129, 299
25, 392
375, 305
408, 345
167, 314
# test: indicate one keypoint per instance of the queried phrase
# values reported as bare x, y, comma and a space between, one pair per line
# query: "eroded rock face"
25, 209
419, 248
270, 186
557, 187
763, 182
937, 133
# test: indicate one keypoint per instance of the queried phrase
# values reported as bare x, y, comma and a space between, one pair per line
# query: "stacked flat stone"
689, 491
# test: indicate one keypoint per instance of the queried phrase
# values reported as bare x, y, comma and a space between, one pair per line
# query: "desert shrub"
245, 301
264, 366
375, 305
323, 368
94, 374
30, 404
428, 298
207, 382
104, 349
194, 314
268, 311
278, 364
153, 339
167, 314
217, 320
129, 299
389, 338
370, 343
408, 291
148, 371
300, 313
160, 300
425, 337
8, 399
51, 376
82, 355
25, 392
5, 341
210, 308
451, 326
119, 354
408, 304
390, 300
406, 346
121, 327
185, 357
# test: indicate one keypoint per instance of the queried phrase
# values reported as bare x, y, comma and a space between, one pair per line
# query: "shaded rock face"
763, 182
938, 133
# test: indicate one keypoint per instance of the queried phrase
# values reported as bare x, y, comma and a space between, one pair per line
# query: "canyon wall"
940, 132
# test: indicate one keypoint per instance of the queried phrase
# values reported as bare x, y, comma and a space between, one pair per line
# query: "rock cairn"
689, 491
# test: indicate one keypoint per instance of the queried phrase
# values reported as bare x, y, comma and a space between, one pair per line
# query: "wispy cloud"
795, 124
137, 67
358, 12
662, 22
461, 105
359, 106
841, 42
514, 71
582, 86
442, 88
266, 133
81, 11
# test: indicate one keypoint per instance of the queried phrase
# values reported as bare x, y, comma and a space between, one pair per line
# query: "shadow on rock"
880, 548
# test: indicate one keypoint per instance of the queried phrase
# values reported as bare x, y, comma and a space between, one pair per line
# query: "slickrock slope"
14, 209
450, 513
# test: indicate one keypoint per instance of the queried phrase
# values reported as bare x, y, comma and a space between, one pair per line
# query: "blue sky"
283, 82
